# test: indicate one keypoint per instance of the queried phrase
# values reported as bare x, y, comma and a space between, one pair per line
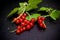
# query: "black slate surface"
51, 33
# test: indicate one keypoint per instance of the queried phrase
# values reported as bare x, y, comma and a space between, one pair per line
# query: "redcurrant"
22, 24
32, 20
20, 20
28, 27
18, 31
17, 21
25, 14
26, 21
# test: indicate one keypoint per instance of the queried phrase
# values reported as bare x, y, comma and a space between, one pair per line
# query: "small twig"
20, 15
29, 15
46, 15
13, 30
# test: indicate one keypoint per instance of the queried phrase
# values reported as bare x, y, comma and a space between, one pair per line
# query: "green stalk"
46, 16
29, 15
23, 11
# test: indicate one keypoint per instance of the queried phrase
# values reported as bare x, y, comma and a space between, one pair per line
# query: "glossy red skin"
19, 27
20, 20
23, 24
39, 17
26, 21
42, 18
18, 31
23, 17
44, 26
40, 21
33, 20
28, 27
41, 24
31, 24
25, 14
21, 30
17, 22
24, 28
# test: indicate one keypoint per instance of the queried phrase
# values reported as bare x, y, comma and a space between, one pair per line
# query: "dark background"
51, 33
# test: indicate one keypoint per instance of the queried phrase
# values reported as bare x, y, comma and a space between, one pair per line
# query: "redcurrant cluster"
23, 24
41, 22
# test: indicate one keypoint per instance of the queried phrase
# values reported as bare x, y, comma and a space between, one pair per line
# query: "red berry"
33, 20
22, 24
23, 17
24, 28
17, 31
41, 24
31, 24
44, 26
25, 14
38, 17
26, 21
20, 20
21, 30
40, 21
28, 27
42, 18
18, 27
17, 21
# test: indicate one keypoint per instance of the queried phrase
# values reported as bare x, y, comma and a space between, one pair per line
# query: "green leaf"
22, 4
33, 16
32, 4
45, 9
20, 10
13, 12
55, 14
22, 7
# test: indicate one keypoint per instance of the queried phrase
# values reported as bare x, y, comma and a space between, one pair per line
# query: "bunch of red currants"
41, 22
23, 23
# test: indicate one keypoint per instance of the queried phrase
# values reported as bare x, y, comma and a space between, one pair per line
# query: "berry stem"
20, 15
29, 15
46, 16
13, 30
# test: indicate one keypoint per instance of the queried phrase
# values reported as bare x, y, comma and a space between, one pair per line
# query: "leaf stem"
46, 16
